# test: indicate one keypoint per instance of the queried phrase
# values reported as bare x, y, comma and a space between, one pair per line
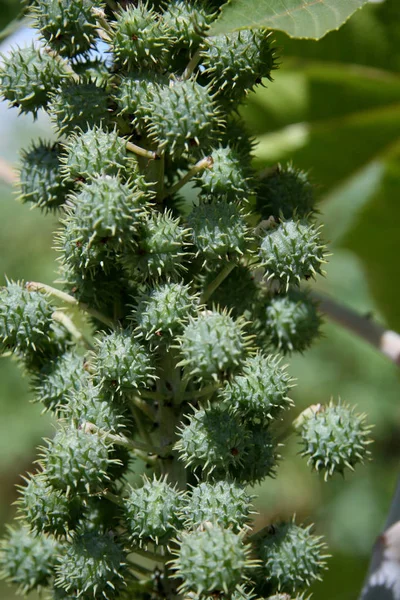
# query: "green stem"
68, 324
144, 434
205, 391
112, 498
35, 286
121, 440
204, 163
194, 61
145, 407
139, 568
210, 289
141, 151
151, 555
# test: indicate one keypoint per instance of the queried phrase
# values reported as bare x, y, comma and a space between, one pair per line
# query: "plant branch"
142, 151
210, 289
194, 61
204, 163
69, 325
34, 286
385, 340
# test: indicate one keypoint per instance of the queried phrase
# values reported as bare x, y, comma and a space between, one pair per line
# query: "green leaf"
9, 10
374, 237
298, 18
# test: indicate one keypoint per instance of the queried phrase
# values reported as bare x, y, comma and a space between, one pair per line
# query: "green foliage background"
334, 109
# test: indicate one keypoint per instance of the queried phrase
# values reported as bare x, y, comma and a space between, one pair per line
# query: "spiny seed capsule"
219, 229
229, 175
236, 62
58, 379
259, 456
213, 441
260, 393
140, 39
180, 116
79, 106
291, 252
46, 509
40, 180
291, 322
211, 559
28, 75
94, 152
92, 565
77, 461
163, 311
91, 404
25, 319
68, 26
120, 363
152, 512
292, 557
285, 193
334, 438
26, 559
225, 503
212, 345
162, 246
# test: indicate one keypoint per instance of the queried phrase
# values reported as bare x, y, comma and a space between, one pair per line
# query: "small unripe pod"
211, 559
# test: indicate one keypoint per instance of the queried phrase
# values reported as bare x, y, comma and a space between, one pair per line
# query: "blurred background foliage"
334, 110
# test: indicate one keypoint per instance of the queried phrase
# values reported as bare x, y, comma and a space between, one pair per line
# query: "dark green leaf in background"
298, 18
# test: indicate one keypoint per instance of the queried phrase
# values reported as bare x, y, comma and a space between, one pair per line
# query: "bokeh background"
334, 110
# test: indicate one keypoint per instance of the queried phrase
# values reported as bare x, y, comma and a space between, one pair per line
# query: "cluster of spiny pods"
187, 268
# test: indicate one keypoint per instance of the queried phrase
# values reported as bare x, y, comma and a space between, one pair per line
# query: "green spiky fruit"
133, 94
28, 75
219, 230
259, 456
229, 175
163, 311
27, 559
68, 26
181, 115
45, 509
58, 379
94, 152
26, 324
213, 441
162, 246
291, 321
259, 394
286, 193
212, 345
238, 292
152, 511
236, 62
236, 136
121, 363
77, 461
292, 557
93, 565
291, 252
104, 218
40, 181
79, 106
109, 292
90, 404
95, 70
211, 559
188, 22
140, 39
334, 438
224, 503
